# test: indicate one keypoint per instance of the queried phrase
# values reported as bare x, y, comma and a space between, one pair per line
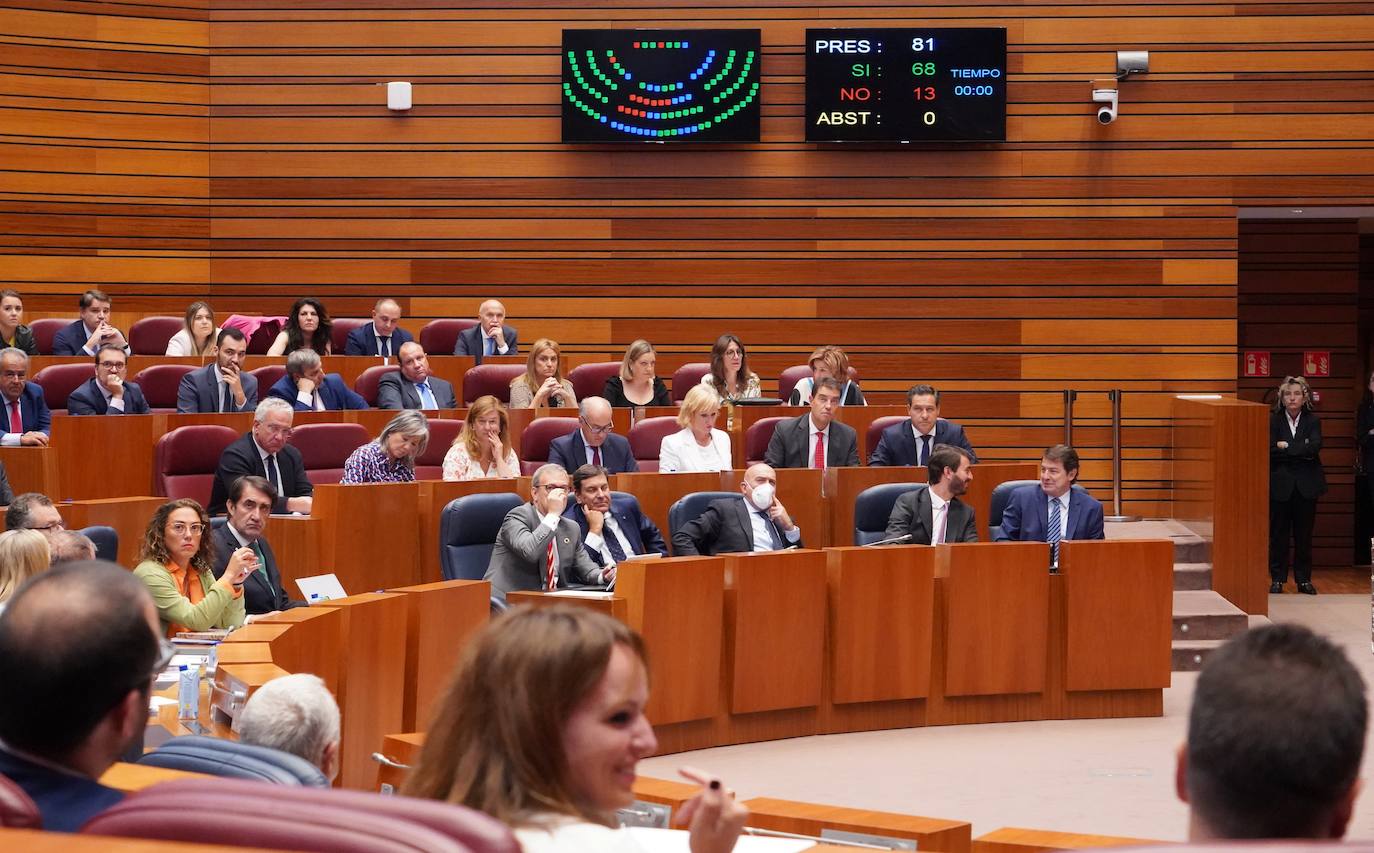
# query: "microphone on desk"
893, 541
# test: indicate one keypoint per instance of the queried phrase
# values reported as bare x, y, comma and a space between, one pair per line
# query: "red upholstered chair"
302, 818
688, 375
646, 437
440, 337
756, 438
187, 458
58, 381
44, 330
369, 381
493, 379
325, 447
160, 382
267, 376
534, 442
17, 809
149, 336
442, 433
796, 373
338, 333
875, 431
589, 380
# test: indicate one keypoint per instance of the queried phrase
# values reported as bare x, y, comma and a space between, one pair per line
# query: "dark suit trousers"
1294, 517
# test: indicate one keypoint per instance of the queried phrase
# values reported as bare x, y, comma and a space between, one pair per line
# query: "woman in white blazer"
698, 446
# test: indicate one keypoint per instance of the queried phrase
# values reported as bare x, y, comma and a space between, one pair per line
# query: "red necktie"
819, 461
16, 422
551, 570
596, 456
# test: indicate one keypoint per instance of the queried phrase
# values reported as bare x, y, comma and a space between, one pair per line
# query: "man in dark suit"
815, 440
490, 337
537, 547
250, 502
92, 331
108, 393
414, 387
383, 336
613, 527
756, 522
309, 389
263, 451
79, 648
912, 443
1053, 510
934, 515
593, 443
27, 419
223, 386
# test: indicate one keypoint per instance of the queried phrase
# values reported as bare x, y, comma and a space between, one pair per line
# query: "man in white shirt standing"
935, 515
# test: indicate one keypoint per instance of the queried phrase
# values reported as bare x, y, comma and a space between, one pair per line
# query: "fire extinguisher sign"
1255, 363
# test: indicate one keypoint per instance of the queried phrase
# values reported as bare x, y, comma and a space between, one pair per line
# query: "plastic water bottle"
188, 693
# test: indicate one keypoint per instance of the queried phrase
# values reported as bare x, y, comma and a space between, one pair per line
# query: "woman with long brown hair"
175, 563
730, 376
542, 727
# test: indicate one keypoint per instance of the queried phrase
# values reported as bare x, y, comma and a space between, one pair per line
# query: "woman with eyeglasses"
175, 563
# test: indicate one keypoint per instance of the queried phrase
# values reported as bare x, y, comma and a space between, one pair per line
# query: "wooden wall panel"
242, 149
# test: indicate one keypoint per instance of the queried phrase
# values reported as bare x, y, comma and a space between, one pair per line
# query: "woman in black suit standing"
1295, 482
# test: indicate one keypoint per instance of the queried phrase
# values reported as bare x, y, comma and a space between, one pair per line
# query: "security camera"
1105, 114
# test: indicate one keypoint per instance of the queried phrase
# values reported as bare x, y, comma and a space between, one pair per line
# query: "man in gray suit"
815, 440
537, 547
935, 515
414, 387
223, 386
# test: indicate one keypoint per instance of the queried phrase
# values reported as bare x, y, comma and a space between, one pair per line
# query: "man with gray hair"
34, 511
70, 546
295, 714
27, 419
538, 548
309, 389
264, 451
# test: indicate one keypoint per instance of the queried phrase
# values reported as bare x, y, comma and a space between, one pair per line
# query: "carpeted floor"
1110, 777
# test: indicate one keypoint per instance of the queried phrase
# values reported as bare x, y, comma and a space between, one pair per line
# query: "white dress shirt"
112, 403
760, 522
1063, 513
498, 349
11, 439
1293, 423
939, 518
267, 465
597, 542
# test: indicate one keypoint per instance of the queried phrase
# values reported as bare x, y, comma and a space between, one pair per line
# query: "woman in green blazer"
175, 564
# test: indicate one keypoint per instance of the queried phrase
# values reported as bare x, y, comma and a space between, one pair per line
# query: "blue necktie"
925, 449
385, 341
1052, 535
613, 543
427, 400
490, 346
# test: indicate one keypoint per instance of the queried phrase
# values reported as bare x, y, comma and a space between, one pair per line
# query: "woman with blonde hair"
699, 446
198, 334
542, 383
730, 376
1296, 480
638, 383
542, 727
483, 448
176, 564
829, 362
23, 554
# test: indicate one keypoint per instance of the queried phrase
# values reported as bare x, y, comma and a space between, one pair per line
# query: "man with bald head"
593, 443
759, 522
414, 387
491, 336
79, 649
383, 337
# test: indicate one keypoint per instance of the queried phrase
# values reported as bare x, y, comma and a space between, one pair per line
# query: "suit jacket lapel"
925, 514
742, 518
1074, 507
1042, 512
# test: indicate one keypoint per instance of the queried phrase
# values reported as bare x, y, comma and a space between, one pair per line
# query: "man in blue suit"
223, 386
108, 393
92, 331
27, 419
593, 443
308, 389
1053, 510
490, 336
911, 443
383, 336
613, 528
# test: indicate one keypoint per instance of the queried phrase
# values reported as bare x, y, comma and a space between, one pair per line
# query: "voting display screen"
906, 84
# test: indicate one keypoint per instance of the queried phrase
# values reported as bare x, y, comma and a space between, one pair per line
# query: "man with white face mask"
759, 522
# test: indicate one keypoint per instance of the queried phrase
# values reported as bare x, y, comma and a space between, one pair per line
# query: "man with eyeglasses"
538, 547
28, 422
79, 649
108, 393
263, 451
34, 511
593, 443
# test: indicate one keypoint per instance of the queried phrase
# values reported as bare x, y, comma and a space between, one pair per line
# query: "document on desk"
321, 588
594, 594
678, 841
